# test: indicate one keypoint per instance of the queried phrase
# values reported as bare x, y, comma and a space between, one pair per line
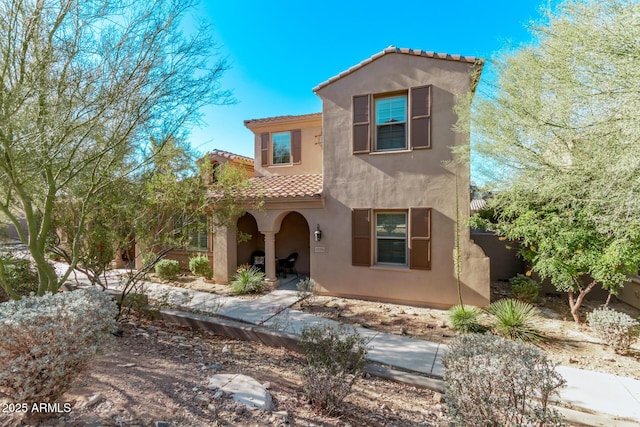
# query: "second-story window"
281, 148
391, 123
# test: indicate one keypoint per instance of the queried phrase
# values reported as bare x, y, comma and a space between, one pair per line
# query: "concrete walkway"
614, 400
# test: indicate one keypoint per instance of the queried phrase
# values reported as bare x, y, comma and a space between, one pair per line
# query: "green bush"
167, 269
466, 319
20, 275
615, 329
148, 259
491, 381
524, 288
515, 319
199, 266
336, 358
247, 280
47, 341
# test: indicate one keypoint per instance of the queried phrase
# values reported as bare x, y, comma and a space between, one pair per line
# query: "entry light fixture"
318, 233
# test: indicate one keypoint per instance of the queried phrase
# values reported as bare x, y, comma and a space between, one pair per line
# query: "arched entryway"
294, 237
247, 226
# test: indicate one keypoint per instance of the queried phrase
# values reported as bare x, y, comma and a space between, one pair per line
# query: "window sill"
188, 250
385, 267
283, 165
377, 153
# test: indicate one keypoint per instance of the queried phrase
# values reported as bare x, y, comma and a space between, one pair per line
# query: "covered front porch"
277, 238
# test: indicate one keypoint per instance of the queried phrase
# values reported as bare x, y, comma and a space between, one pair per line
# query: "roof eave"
405, 51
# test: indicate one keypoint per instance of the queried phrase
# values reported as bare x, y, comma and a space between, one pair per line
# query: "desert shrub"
148, 259
466, 319
199, 266
615, 329
491, 381
45, 342
306, 290
336, 357
247, 280
515, 319
167, 269
20, 276
524, 288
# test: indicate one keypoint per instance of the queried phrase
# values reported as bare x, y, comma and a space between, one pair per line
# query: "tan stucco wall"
505, 262
400, 180
630, 293
311, 146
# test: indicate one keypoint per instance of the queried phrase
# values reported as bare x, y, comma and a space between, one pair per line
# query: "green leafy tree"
559, 125
155, 207
158, 208
85, 84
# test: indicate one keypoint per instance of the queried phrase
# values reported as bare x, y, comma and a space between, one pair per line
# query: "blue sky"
279, 51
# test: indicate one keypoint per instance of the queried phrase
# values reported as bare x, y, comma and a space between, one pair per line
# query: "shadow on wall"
294, 236
503, 255
247, 224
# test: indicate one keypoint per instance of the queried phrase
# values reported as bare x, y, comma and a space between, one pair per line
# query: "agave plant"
466, 319
515, 319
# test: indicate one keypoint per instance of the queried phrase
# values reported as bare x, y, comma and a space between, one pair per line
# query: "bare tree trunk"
574, 303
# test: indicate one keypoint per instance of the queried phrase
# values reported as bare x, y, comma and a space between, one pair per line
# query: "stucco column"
225, 254
270, 259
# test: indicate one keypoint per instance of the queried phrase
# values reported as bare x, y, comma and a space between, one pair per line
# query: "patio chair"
257, 260
288, 263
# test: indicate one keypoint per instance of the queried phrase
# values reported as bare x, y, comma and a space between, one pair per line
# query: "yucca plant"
466, 319
247, 281
515, 319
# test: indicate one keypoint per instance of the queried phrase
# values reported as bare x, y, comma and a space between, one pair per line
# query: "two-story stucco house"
364, 192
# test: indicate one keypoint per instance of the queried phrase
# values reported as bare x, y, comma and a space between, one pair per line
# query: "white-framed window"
395, 121
391, 238
281, 148
391, 123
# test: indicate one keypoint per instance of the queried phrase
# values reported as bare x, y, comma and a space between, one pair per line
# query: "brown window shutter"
361, 237
296, 145
264, 148
420, 239
361, 124
420, 117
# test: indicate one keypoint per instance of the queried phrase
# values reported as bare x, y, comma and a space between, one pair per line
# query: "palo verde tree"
559, 123
160, 208
85, 84
155, 207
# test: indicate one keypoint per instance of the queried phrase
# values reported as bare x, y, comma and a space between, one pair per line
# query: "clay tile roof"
405, 51
276, 119
230, 156
285, 186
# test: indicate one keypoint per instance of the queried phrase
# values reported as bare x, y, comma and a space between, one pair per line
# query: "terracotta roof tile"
230, 156
406, 51
285, 186
267, 120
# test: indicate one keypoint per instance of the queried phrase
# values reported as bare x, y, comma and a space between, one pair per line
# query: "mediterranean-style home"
366, 193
